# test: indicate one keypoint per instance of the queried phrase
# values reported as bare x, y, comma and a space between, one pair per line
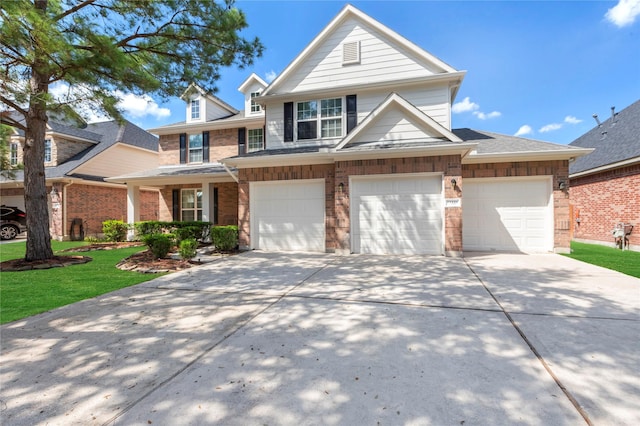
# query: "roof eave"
505, 157
214, 125
624, 163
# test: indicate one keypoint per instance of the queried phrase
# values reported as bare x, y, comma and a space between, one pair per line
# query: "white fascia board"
160, 181
392, 86
323, 157
448, 149
253, 77
207, 125
505, 157
628, 162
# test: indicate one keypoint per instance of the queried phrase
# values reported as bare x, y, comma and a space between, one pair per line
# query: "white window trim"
249, 148
13, 154
47, 150
254, 107
319, 119
193, 102
190, 150
195, 209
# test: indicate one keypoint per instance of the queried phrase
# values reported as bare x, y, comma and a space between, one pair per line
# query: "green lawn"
627, 262
31, 292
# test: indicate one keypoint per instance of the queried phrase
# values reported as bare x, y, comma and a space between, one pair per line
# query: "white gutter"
475, 158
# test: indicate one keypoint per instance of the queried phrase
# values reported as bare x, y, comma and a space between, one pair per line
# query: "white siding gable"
195, 98
394, 126
253, 88
119, 159
213, 111
380, 60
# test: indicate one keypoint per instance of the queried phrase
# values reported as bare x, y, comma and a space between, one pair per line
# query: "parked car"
13, 221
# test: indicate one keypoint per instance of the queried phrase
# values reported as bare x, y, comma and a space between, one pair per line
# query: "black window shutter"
183, 148
288, 121
175, 196
352, 112
215, 206
205, 147
242, 140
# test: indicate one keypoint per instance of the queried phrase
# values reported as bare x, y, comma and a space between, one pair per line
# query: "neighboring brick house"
77, 161
351, 150
605, 185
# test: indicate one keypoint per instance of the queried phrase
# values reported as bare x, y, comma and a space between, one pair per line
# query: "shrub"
149, 227
115, 230
159, 244
188, 248
225, 238
187, 233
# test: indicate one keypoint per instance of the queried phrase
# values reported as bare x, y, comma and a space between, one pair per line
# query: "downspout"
234, 177
65, 234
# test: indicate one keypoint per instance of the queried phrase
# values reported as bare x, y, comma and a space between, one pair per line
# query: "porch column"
207, 202
133, 209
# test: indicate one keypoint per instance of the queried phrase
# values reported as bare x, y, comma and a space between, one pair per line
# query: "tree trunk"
35, 189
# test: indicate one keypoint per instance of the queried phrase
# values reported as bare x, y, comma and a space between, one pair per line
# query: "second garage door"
393, 214
288, 216
507, 215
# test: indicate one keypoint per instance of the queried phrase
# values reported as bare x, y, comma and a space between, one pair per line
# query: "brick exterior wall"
61, 150
337, 202
227, 202
559, 169
337, 219
602, 200
222, 144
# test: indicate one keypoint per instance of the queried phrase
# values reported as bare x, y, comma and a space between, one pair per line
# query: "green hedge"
115, 230
225, 238
197, 230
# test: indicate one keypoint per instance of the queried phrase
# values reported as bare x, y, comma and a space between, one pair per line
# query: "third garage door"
507, 215
393, 214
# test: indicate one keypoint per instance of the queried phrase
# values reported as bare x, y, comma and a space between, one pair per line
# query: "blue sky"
536, 69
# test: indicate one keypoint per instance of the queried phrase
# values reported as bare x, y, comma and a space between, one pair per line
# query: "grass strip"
627, 262
27, 293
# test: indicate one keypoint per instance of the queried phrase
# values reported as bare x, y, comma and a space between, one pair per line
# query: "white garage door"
13, 201
507, 215
394, 214
288, 216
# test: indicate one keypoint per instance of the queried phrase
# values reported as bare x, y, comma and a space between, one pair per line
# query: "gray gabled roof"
105, 134
497, 143
617, 139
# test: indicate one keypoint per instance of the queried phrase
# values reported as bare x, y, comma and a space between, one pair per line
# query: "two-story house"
78, 158
351, 150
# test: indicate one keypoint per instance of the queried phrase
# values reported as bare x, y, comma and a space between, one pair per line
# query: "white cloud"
464, 106
483, 116
572, 120
141, 106
550, 127
524, 130
132, 105
624, 13
270, 76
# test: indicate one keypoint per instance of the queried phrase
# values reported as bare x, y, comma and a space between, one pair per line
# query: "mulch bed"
145, 262
17, 265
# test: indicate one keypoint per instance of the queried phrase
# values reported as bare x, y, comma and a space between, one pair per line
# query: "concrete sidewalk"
274, 338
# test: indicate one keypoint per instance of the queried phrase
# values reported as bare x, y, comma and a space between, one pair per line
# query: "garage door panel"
288, 216
397, 215
507, 215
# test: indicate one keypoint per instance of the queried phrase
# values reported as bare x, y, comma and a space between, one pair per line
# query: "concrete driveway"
297, 339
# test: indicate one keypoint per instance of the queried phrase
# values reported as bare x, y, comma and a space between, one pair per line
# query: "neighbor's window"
195, 109
255, 107
47, 150
255, 140
195, 148
328, 123
191, 205
13, 154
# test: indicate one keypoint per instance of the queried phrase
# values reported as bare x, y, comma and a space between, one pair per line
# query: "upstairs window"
195, 109
255, 107
327, 123
47, 150
255, 139
13, 154
195, 148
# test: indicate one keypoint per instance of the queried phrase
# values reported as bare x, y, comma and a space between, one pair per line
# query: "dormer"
202, 106
252, 87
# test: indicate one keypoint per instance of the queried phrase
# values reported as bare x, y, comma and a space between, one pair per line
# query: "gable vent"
351, 53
